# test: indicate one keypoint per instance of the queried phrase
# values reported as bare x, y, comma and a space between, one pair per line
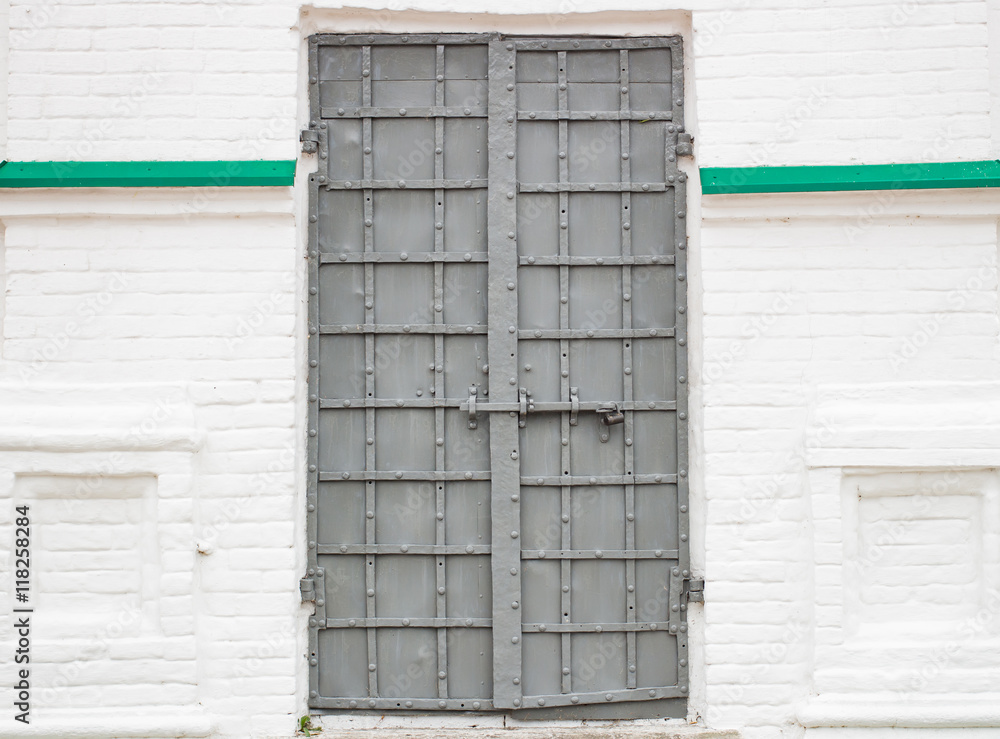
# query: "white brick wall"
203, 289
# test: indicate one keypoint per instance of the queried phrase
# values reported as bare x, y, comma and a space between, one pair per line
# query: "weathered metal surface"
497, 483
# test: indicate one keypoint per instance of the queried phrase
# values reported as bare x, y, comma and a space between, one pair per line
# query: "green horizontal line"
914, 176
148, 174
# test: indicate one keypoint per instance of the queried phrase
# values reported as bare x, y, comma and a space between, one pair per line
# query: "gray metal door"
497, 488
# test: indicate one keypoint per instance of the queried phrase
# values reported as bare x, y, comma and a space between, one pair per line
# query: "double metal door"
497, 490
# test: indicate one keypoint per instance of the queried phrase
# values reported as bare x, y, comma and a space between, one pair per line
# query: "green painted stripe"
930, 175
148, 174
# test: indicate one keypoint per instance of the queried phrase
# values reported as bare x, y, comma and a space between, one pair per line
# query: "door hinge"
310, 141
695, 591
685, 145
307, 587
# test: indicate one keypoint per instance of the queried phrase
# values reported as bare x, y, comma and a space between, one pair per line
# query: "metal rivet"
312, 219
343, 257
599, 629
514, 534
442, 704
402, 111
563, 225
652, 332
441, 590
628, 442
404, 548
340, 111
682, 379
510, 119
680, 277
628, 370
510, 234
312, 432
371, 593
626, 225
626, 297
467, 111
370, 514
683, 473
510, 285
510, 47
531, 115
684, 537
399, 475
468, 475
681, 214
562, 154
312, 468
593, 480
562, 86
313, 363
510, 155
590, 333
476, 705
682, 342
514, 640
599, 554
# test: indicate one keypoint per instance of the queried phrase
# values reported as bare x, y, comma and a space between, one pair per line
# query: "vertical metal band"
312, 424
626, 177
502, 343
366, 135
566, 571
681, 336
441, 565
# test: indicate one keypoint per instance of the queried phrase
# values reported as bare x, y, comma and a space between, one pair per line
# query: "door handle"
609, 413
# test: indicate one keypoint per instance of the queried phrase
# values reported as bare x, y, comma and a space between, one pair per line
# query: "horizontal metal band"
419, 475
426, 549
593, 627
594, 115
409, 623
394, 328
903, 176
432, 111
407, 256
417, 704
402, 184
414, 39
565, 406
554, 261
664, 554
595, 333
334, 403
530, 187
270, 173
592, 44
543, 406
610, 696
560, 480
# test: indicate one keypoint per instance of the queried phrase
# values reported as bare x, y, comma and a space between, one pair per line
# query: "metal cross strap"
497, 484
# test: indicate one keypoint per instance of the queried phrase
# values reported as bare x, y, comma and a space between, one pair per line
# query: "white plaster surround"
107, 473
904, 492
